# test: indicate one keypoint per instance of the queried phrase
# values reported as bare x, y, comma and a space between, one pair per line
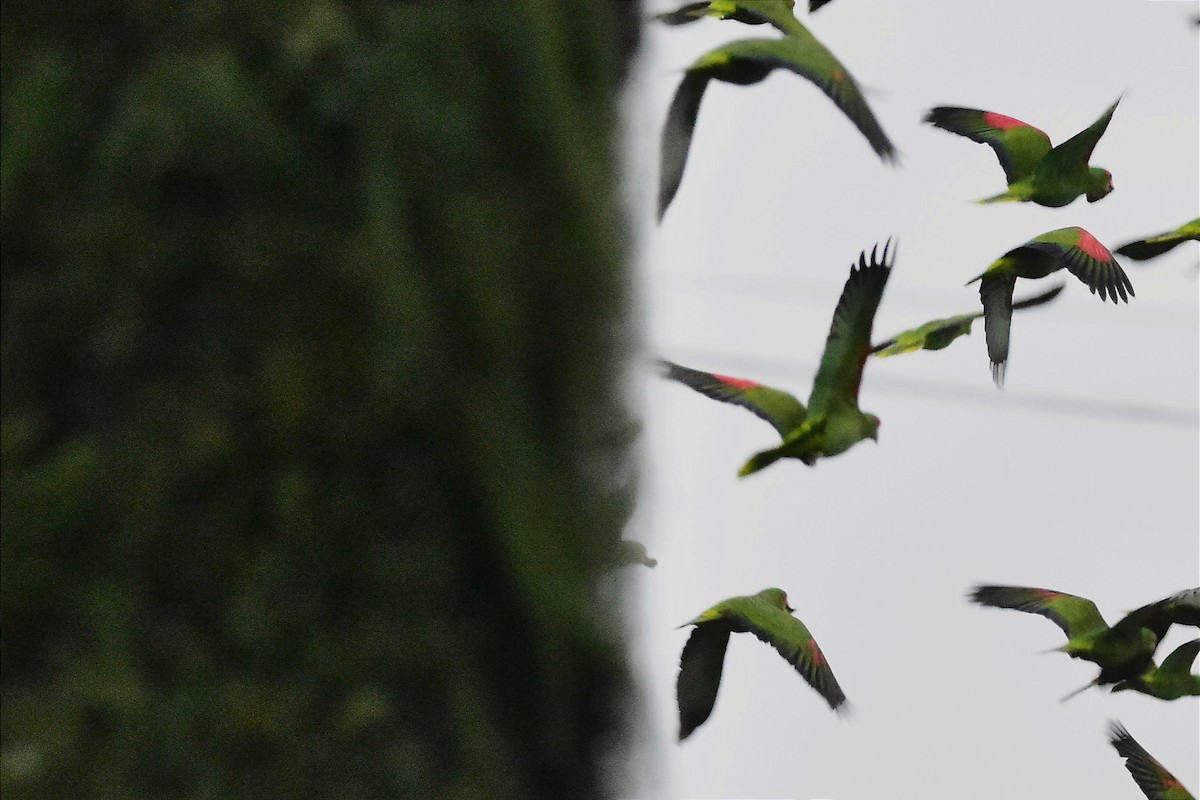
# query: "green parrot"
1145, 249
938, 334
1172, 680
832, 423
629, 552
749, 12
769, 617
1036, 172
1073, 248
748, 61
1123, 651
1151, 777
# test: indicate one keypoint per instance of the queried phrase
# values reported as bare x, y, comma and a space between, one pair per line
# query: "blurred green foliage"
313, 448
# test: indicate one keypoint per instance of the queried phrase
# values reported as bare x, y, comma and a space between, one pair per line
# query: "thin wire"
799, 290
962, 395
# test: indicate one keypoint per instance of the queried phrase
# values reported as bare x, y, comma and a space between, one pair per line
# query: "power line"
785, 289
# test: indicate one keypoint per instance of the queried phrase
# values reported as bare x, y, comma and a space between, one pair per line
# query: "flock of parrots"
832, 422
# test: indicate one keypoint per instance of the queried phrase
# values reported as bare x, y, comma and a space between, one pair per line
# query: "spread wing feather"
781, 409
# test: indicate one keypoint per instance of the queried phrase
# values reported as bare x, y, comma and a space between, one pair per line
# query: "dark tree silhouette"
312, 315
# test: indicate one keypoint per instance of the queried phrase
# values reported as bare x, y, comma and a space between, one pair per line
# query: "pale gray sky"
1082, 475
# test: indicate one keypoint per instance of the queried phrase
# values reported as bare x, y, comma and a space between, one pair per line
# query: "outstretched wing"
1181, 659
1018, 145
801, 53
1151, 777
995, 291
1075, 615
1182, 608
1085, 258
1073, 155
700, 667
677, 135
940, 333
782, 410
1150, 247
849, 341
791, 639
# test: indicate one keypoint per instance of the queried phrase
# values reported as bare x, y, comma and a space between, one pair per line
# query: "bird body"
768, 616
1123, 651
749, 61
748, 12
1036, 171
1155, 781
941, 333
1170, 681
629, 552
832, 422
1072, 248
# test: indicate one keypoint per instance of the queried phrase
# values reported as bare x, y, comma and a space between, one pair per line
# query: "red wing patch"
815, 652
1046, 594
1090, 245
1003, 122
737, 383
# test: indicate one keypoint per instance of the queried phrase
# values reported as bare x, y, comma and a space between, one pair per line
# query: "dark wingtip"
998, 370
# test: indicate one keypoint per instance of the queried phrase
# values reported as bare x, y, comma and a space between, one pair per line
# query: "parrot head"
1100, 183
873, 424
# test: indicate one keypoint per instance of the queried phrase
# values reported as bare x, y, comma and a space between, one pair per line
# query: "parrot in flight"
769, 617
1073, 248
748, 61
1123, 651
749, 12
1036, 172
1151, 777
940, 333
1170, 681
832, 423
1154, 246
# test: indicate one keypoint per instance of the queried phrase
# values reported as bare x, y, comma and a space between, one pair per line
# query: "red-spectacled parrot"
1154, 246
1073, 248
749, 12
1170, 681
628, 552
1036, 172
748, 61
938, 334
832, 423
1123, 651
769, 617
1151, 777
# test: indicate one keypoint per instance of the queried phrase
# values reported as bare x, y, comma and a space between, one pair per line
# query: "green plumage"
777, 13
1071, 248
1036, 172
1170, 681
1155, 781
832, 423
628, 552
768, 616
746, 62
941, 333
1123, 651
1154, 246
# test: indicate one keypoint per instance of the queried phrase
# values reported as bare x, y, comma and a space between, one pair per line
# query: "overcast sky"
1082, 475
